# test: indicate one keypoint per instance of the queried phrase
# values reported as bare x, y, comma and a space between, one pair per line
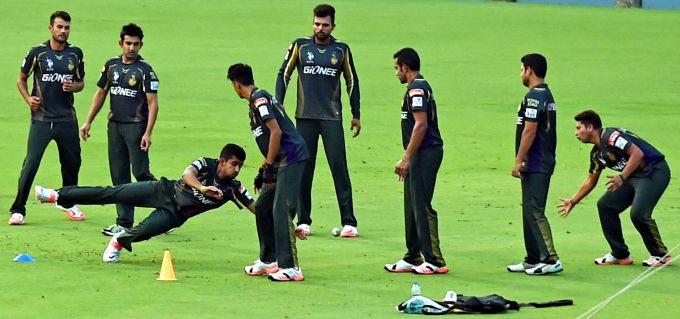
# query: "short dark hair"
536, 62
241, 73
589, 117
233, 150
325, 10
131, 30
60, 14
409, 57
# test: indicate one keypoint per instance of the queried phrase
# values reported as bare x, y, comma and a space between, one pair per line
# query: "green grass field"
623, 63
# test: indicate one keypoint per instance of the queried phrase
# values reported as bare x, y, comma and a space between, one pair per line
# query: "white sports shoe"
349, 232
112, 251
302, 231
545, 269
399, 266
74, 213
520, 267
655, 261
259, 268
45, 195
287, 274
16, 219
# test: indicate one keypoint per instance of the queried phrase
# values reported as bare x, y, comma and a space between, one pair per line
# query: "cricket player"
278, 181
319, 60
206, 184
643, 176
58, 72
535, 144
417, 168
133, 86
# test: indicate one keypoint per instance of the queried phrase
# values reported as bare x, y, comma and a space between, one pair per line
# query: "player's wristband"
623, 179
573, 203
202, 189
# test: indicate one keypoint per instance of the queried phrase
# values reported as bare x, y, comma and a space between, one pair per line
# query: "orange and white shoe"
399, 266
349, 232
259, 268
16, 219
45, 195
74, 213
655, 261
609, 259
302, 231
429, 269
287, 274
112, 252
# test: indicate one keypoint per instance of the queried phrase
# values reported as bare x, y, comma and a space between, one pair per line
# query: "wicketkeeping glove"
269, 173
259, 180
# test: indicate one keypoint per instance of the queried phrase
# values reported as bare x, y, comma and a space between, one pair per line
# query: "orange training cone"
167, 269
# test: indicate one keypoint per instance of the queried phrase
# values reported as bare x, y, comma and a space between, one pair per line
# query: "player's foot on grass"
302, 231
112, 251
171, 230
259, 268
45, 195
656, 261
545, 269
73, 213
113, 229
287, 274
349, 231
429, 269
609, 259
16, 219
520, 267
399, 266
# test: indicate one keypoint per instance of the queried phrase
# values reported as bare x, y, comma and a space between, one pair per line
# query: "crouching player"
643, 177
206, 184
280, 178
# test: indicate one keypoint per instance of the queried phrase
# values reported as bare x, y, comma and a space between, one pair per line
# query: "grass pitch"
623, 63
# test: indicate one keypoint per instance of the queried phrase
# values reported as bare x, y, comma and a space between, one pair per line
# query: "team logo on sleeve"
154, 85
200, 163
621, 143
532, 102
413, 92
613, 137
530, 113
417, 101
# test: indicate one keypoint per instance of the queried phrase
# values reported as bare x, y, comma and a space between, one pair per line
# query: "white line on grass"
644, 275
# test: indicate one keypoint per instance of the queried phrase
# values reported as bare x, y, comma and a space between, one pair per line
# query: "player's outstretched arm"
567, 204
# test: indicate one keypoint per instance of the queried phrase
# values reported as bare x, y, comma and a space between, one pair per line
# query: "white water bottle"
415, 289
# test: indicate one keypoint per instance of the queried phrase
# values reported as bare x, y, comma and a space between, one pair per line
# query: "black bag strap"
547, 304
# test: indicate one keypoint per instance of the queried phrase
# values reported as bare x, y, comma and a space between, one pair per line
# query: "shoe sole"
287, 280
441, 271
398, 271
613, 263
543, 274
263, 272
15, 223
349, 236
74, 219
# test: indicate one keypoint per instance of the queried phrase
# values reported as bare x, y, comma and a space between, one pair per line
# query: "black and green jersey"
191, 202
50, 68
127, 85
613, 148
419, 98
318, 87
539, 106
264, 107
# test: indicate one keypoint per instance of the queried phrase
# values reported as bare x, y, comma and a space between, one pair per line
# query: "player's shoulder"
539, 91
303, 40
418, 86
40, 47
260, 97
75, 49
144, 63
340, 44
610, 135
113, 60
